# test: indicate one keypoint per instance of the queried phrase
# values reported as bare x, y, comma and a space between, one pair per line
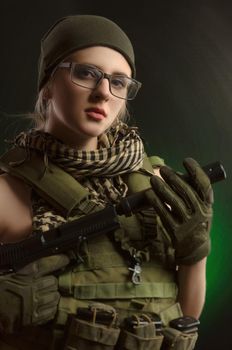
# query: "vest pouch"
177, 340
131, 341
82, 335
140, 334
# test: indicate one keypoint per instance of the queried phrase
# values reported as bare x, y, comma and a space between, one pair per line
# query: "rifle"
14, 256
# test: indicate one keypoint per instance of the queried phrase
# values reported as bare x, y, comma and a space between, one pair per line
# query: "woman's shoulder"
14, 186
15, 208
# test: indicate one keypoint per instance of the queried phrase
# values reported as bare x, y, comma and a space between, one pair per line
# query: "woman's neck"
72, 139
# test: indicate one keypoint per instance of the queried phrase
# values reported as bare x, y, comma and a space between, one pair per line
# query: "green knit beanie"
78, 32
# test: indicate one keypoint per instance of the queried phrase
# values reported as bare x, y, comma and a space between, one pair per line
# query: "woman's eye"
85, 73
118, 82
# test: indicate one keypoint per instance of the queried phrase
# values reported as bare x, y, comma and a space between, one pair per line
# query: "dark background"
184, 60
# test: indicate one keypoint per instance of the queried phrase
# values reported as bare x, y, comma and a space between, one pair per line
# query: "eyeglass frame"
104, 76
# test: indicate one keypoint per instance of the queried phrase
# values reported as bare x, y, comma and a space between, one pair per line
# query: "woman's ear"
47, 93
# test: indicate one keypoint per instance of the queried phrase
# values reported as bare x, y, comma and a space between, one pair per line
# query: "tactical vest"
104, 274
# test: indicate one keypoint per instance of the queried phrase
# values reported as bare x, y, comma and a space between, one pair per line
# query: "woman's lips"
96, 113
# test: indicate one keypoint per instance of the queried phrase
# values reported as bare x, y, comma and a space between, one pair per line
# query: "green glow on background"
219, 264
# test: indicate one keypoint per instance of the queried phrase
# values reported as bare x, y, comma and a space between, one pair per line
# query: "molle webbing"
109, 280
125, 290
120, 290
53, 184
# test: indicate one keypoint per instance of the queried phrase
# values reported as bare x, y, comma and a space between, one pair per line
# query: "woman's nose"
102, 89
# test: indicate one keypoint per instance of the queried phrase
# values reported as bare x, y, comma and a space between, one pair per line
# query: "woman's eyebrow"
96, 66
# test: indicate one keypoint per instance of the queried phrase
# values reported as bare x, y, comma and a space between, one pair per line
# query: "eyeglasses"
90, 77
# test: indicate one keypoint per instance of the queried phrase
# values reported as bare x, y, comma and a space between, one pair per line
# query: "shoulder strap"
156, 161
140, 180
56, 186
59, 188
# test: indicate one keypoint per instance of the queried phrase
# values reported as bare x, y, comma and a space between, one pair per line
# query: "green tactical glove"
30, 296
185, 210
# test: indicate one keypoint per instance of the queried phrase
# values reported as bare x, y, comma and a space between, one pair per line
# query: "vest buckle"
136, 276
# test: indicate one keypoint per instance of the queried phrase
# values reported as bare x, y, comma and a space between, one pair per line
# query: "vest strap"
140, 180
56, 186
59, 188
156, 161
125, 290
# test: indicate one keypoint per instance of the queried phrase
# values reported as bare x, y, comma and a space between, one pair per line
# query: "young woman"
80, 157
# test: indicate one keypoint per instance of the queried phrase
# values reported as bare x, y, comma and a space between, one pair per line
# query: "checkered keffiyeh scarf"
120, 151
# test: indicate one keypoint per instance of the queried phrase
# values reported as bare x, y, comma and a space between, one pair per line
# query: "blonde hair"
41, 110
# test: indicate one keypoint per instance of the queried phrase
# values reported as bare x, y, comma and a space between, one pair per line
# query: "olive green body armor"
105, 271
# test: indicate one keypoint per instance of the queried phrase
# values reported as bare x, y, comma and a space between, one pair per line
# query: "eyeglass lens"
89, 77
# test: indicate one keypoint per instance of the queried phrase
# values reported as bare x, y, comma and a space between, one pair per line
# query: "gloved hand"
30, 296
185, 210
